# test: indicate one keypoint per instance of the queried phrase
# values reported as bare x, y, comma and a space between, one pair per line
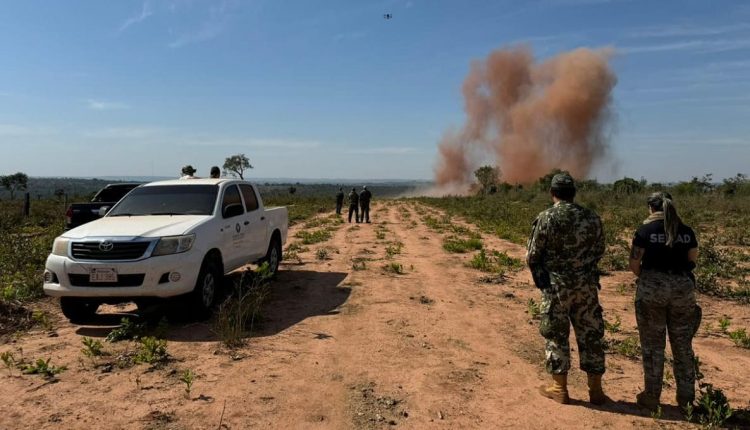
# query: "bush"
238, 314
458, 245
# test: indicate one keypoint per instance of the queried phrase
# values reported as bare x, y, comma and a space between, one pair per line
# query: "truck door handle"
247, 222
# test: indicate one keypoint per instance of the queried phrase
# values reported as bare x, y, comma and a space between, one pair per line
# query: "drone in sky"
387, 16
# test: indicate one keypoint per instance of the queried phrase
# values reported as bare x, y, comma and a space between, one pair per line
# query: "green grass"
532, 308
393, 249
723, 268
151, 351
740, 338
43, 368
630, 347
313, 237
494, 262
393, 267
458, 245
613, 327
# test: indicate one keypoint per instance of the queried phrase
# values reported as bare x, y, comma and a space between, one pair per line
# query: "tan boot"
558, 391
648, 401
596, 393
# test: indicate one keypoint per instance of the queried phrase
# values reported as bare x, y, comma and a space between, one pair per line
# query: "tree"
733, 185
488, 177
236, 165
59, 193
14, 182
627, 186
545, 182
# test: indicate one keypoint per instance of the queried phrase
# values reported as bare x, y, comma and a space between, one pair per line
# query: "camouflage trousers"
575, 303
665, 303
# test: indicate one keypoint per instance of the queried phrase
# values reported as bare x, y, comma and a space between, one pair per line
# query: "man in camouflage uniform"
354, 205
339, 200
564, 249
364, 202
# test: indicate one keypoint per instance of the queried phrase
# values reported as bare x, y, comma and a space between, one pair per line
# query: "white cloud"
697, 45
148, 135
105, 105
129, 133
137, 19
687, 30
209, 29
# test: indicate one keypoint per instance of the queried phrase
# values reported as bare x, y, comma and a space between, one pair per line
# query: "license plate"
103, 274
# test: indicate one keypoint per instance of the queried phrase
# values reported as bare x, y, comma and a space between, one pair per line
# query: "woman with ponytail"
663, 256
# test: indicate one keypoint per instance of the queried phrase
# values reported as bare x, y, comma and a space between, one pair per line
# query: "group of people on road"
357, 202
188, 172
566, 244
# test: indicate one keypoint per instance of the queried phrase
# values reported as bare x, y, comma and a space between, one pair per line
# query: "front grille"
135, 280
119, 251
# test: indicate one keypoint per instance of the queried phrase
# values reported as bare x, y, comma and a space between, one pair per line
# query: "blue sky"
331, 89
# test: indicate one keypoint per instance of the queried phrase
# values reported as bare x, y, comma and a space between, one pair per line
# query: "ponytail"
671, 221
662, 202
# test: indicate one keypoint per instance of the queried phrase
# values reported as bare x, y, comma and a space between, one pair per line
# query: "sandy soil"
435, 347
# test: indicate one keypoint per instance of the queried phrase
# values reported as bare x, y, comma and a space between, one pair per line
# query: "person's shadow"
667, 413
292, 297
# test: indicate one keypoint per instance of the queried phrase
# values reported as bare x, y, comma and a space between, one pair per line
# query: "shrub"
456, 245
395, 268
43, 368
238, 314
127, 330
313, 237
91, 348
151, 351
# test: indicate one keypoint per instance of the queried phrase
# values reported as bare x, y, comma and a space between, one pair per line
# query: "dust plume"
528, 118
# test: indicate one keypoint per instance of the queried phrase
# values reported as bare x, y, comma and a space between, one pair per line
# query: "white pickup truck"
165, 239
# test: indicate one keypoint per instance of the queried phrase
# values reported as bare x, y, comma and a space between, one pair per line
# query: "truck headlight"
174, 244
60, 246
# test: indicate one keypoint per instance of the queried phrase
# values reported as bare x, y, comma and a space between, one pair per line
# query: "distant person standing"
188, 172
215, 172
566, 244
663, 257
339, 201
354, 205
364, 202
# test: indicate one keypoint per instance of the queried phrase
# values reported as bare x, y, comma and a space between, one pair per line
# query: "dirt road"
347, 343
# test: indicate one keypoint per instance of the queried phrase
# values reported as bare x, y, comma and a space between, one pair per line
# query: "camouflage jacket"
567, 241
353, 198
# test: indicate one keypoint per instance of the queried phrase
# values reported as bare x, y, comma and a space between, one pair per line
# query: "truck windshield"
112, 193
168, 200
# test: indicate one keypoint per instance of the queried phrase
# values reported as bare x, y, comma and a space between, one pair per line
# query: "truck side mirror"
233, 210
103, 210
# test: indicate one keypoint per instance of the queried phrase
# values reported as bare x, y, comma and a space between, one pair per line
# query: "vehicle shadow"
294, 295
301, 294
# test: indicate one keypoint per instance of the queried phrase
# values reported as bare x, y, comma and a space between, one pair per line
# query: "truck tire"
78, 310
273, 256
203, 297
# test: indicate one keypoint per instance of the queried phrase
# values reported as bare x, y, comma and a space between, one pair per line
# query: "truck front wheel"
273, 256
78, 310
203, 297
